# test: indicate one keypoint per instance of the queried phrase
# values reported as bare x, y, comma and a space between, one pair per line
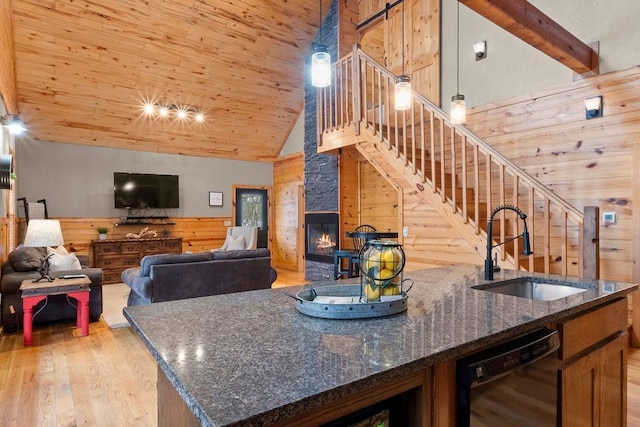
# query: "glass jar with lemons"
381, 263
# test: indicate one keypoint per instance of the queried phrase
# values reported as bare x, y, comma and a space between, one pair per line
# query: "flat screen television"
145, 191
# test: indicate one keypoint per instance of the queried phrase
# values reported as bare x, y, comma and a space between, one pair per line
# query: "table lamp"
43, 233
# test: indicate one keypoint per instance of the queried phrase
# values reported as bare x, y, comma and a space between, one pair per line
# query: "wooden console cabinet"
115, 256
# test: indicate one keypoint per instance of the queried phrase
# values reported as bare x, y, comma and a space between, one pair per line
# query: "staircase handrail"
495, 154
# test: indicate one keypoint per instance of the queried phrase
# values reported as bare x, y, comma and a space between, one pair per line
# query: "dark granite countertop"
252, 358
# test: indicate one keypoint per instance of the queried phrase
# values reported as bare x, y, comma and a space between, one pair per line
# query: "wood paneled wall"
383, 41
288, 177
7, 59
198, 234
365, 197
587, 162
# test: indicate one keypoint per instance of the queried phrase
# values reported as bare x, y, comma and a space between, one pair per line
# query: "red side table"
34, 292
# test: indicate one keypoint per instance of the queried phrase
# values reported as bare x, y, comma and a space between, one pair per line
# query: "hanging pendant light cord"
320, 35
403, 37
458, 51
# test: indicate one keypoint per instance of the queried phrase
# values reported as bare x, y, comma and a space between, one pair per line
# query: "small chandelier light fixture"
402, 92
13, 123
593, 107
166, 111
320, 61
458, 105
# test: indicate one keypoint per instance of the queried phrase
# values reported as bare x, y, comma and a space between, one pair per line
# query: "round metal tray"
347, 303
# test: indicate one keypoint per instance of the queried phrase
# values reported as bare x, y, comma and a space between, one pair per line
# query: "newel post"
591, 243
356, 93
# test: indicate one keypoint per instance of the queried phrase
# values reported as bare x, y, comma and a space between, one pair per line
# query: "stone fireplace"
321, 237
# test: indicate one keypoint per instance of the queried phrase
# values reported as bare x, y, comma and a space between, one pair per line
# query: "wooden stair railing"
466, 173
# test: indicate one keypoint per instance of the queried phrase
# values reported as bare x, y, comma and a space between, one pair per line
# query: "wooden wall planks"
587, 162
198, 234
288, 176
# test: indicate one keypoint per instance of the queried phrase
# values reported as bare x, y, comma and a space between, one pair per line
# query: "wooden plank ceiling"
85, 67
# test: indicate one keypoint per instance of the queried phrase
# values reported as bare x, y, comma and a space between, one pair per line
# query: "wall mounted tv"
145, 191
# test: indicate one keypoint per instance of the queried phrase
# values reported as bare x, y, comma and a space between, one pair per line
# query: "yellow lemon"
372, 292
391, 290
385, 274
391, 259
374, 261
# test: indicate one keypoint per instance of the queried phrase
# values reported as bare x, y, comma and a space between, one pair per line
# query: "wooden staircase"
458, 174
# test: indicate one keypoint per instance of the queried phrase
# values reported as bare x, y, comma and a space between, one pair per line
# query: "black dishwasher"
511, 384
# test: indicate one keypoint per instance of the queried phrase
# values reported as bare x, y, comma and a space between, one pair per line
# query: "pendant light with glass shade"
402, 92
320, 61
458, 105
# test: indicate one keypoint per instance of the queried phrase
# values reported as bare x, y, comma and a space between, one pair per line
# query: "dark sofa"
22, 265
170, 277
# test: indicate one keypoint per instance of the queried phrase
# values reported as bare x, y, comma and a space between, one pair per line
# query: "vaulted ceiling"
85, 67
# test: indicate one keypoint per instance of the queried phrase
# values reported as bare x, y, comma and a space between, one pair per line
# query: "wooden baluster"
564, 241
476, 189
432, 145
463, 168
453, 168
442, 162
532, 226
547, 237
423, 153
356, 92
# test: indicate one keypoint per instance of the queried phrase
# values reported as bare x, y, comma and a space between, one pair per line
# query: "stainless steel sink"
531, 288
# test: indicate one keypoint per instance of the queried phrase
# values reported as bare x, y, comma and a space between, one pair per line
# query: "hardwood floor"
288, 278
105, 379
633, 388
109, 377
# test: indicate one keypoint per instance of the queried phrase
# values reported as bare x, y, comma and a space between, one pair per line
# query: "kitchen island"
252, 359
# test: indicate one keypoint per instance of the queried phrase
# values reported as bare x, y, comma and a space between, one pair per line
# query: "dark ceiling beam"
526, 22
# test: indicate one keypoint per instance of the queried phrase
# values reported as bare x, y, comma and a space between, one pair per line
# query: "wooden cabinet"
115, 256
593, 377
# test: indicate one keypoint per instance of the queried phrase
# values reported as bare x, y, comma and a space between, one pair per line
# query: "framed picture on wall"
215, 198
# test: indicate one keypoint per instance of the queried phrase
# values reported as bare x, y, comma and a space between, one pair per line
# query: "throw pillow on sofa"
25, 258
61, 260
237, 244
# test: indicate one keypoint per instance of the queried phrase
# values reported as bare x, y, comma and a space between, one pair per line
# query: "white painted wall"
514, 68
77, 181
295, 141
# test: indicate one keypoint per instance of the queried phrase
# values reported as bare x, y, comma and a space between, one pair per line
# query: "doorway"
252, 210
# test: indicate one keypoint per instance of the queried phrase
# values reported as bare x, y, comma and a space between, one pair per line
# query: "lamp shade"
321, 67
458, 109
43, 233
402, 93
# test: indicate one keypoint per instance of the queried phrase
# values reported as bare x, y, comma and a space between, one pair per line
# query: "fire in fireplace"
321, 238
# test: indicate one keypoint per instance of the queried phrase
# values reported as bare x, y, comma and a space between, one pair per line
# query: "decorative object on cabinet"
215, 198
116, 255
102, 232
145, 233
